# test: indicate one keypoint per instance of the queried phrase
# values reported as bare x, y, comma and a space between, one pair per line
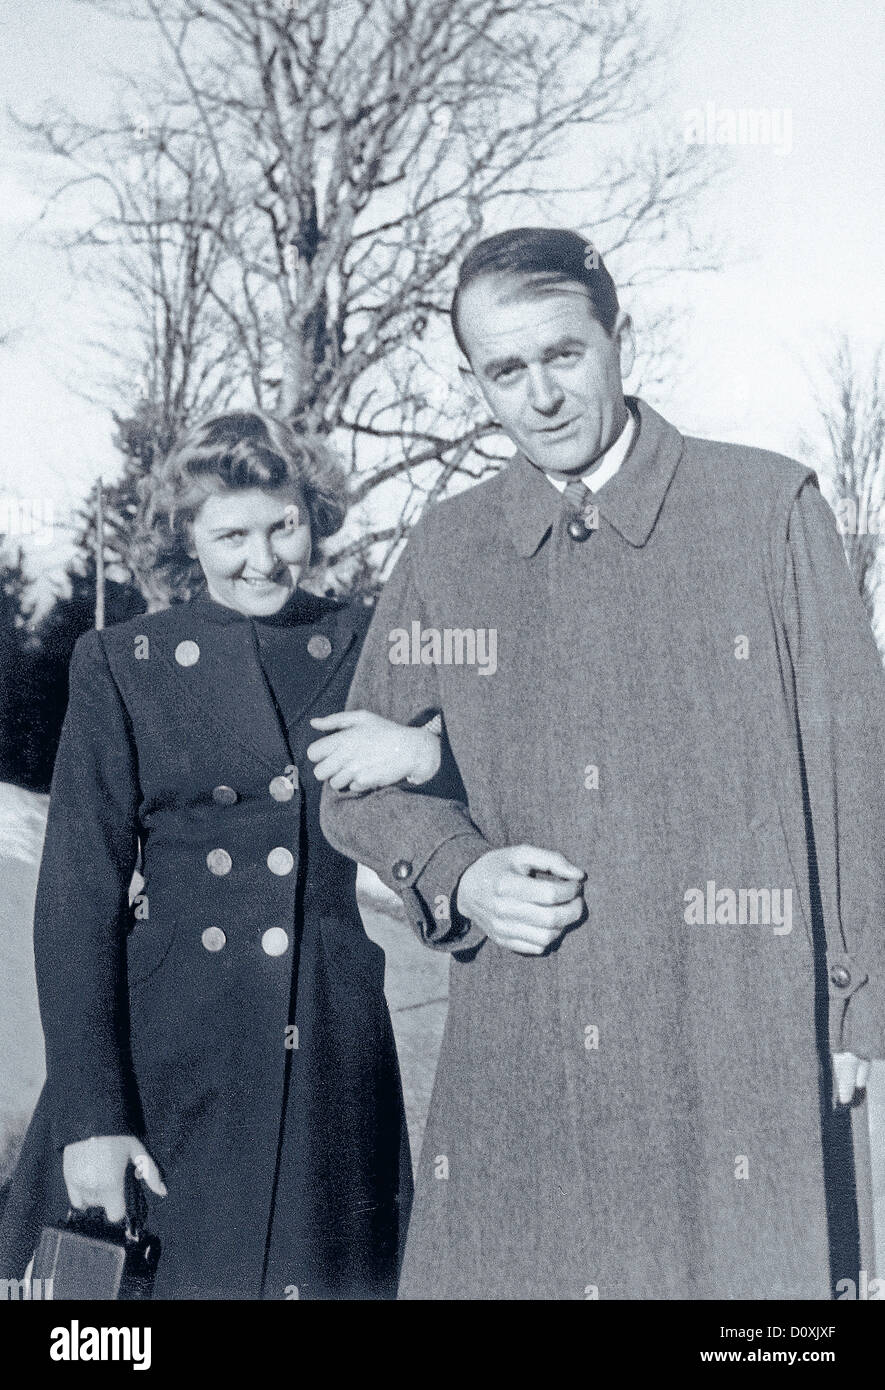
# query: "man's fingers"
846, 1075
544, 891
547, 918
527, 859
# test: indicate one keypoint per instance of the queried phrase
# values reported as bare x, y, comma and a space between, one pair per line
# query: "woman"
225, 1032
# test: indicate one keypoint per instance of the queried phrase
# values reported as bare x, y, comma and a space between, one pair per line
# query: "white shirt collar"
607, 465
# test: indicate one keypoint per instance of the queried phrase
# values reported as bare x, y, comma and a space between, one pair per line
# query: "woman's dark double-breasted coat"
233, 1015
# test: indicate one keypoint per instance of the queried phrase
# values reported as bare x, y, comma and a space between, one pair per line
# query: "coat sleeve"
840, 702
419, 844
82, 907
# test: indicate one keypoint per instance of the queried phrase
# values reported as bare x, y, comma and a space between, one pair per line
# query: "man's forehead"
499, 313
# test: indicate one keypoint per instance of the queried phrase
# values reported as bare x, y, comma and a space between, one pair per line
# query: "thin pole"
99, 555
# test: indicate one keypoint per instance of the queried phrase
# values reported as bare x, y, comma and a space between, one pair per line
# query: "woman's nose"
261, 556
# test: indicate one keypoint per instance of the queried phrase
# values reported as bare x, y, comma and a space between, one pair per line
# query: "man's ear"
626, 339
470, 381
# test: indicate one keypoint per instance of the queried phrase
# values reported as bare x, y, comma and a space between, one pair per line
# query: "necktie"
579, 507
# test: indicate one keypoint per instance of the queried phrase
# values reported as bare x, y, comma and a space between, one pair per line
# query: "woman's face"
253, 547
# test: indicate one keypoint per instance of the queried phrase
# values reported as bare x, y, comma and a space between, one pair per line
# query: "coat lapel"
214, 657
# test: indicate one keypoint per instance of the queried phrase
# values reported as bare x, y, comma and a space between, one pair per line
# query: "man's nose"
545, 393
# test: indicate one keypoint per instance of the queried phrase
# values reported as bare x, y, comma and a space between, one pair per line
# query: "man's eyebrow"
569, 341
502, 364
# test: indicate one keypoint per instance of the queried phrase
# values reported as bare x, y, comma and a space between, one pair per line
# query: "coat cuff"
429, 895
857, 1008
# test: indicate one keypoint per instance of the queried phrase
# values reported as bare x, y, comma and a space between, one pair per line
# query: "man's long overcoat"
689, 706
253, 1050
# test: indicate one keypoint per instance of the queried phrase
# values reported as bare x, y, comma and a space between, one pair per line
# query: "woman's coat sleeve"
418, 844
840, 702
82, 908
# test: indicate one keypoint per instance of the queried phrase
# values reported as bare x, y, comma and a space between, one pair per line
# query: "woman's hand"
366, 751
95, 1172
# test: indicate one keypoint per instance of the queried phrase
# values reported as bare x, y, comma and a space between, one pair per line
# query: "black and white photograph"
442, 630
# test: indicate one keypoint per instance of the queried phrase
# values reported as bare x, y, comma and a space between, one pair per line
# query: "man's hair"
543, 258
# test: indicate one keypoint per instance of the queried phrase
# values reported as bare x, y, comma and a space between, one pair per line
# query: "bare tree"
287, 197
851, 408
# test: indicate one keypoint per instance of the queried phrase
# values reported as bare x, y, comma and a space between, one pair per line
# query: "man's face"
547, 368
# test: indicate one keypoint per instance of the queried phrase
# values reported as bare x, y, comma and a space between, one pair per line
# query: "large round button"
224, 796
280, 861
578, 529
283, 788
319, 646
840, 976
275, 942
214, 939
402, 869
219, 862
187, 653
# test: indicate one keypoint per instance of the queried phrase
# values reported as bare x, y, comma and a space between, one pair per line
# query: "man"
665, 894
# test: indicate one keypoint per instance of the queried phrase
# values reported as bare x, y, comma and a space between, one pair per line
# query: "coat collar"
300, 607
630, 501
243, 707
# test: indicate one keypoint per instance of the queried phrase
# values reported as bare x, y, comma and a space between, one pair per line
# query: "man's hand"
516, 910
850, 1073
95, 1172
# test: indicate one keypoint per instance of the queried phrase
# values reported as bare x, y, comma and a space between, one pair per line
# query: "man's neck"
606, 464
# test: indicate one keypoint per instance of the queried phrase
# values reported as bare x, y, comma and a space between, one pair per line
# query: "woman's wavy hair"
230, 452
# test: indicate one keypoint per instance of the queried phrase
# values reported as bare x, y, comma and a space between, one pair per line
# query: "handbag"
88, 1257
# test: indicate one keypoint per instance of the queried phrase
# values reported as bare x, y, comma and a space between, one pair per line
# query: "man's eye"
506, 373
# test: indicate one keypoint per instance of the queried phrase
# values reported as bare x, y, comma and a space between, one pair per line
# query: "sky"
798, 221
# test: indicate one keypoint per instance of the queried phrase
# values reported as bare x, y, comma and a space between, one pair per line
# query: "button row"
280, 861
281, 788
274, 942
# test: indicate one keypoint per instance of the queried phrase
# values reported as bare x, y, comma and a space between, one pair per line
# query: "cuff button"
402, 870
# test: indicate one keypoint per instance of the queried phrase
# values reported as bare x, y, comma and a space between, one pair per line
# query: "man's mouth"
557, 429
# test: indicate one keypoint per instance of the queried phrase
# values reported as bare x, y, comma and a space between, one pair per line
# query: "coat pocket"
148, 945
778, 862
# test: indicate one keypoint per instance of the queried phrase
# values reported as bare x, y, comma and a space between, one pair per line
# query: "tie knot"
576, 495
